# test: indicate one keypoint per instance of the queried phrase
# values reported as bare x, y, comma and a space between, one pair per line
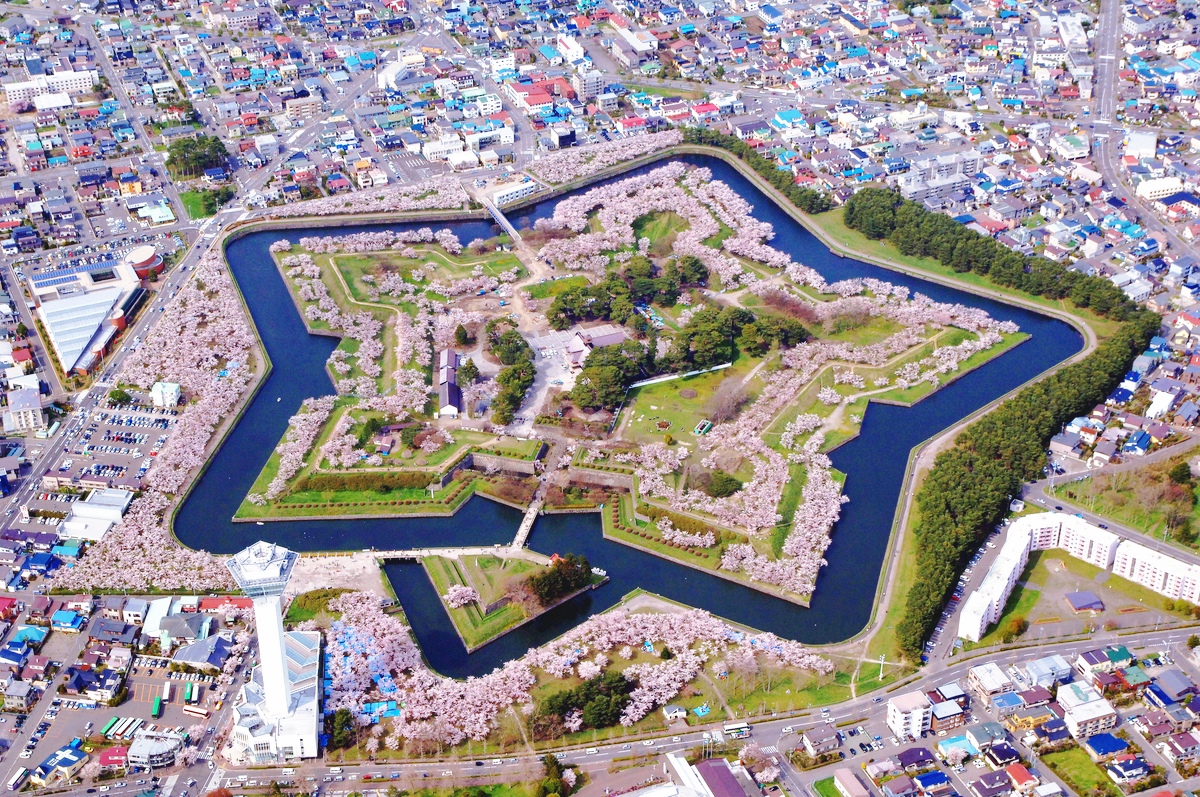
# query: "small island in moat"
644, 352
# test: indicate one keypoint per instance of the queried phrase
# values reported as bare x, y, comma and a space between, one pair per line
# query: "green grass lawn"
659, 225
825, 788
472, 624
491, 575
1080, 772
516, 448
663, 402
446, 266
308, 605
550, 288
359, 502
664, 91
1020, 604
876, 329
193, 203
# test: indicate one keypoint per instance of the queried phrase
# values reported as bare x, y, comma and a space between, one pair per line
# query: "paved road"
779, 733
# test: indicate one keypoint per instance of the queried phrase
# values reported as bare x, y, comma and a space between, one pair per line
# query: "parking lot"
971, 578
549, 358
94, 254
118, 443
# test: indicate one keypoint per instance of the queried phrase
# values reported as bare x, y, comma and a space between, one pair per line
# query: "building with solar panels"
85, 307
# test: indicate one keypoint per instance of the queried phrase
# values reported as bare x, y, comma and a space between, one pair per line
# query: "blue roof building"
1103, 746
63, 620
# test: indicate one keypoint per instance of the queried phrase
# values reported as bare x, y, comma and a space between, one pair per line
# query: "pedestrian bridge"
502, 220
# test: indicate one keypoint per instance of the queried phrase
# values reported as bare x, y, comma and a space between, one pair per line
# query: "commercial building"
154, 749
93, 517
277, 715
909, 714
73, 321
712, 777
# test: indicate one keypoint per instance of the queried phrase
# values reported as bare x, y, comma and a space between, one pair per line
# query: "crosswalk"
770, 750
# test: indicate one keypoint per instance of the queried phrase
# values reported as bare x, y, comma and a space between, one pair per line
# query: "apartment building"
1161, 572
909, 714
1085, 711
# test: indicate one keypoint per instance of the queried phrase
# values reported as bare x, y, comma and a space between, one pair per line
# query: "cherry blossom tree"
459, 595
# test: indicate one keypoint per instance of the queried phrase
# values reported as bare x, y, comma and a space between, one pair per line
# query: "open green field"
516, 447
472, 624
550, 288
665, 91
1134, 498
308, 605
659, 225
1080, 773
337, 503
667, 402
193, 204
875, 330
446, 267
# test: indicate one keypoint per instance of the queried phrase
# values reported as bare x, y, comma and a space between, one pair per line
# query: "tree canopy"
189, 157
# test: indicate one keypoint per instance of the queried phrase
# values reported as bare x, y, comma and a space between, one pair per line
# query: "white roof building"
154, 749
988, 679
1038, 532
278, 714
909, 714
164, 394
72, 322
985, 604
1085, 711
1166, 575
92, 518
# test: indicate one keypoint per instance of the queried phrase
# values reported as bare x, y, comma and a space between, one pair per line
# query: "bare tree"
728, 400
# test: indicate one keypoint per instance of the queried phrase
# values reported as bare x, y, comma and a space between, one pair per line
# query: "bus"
18, 779
112, 723
132, 729
156, 712
189, 693
737, 730
166, 696
119, 729
196, 711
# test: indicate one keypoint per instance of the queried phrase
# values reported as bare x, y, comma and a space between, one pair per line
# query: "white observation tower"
262, 571
277, 716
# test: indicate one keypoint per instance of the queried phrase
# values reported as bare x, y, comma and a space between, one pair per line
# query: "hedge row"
682, 522
374, 481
